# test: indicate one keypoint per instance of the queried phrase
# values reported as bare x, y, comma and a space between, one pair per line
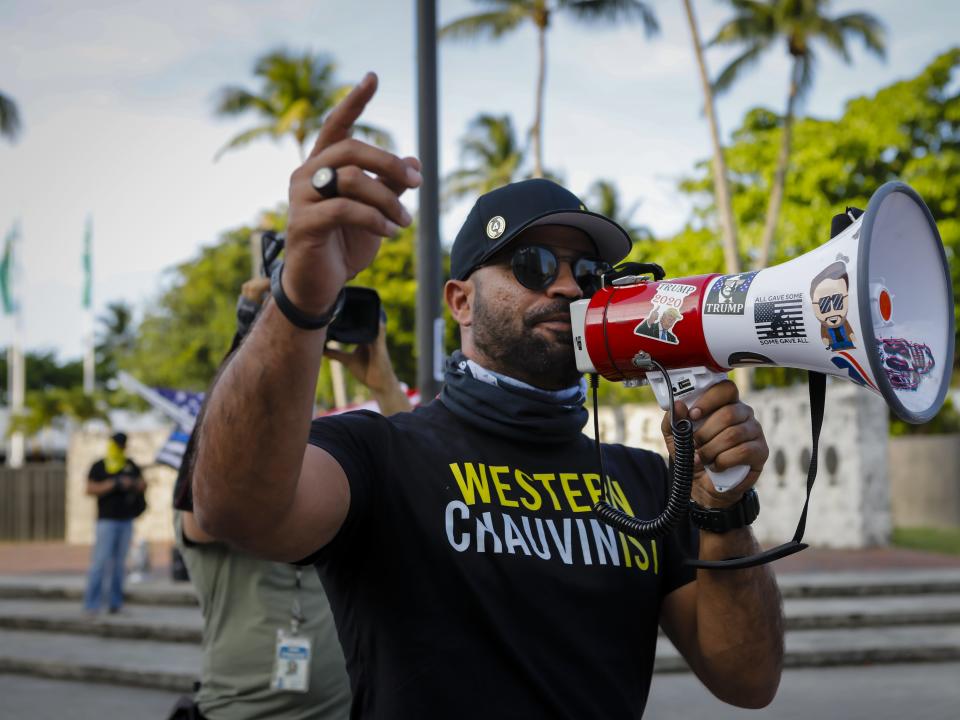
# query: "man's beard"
522, 354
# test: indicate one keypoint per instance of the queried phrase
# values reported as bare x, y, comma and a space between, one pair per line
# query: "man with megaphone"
467, 572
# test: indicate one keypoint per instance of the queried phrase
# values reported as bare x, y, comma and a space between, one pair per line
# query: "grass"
940, 540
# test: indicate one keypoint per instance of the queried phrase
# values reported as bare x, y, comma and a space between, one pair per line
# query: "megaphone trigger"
689, 384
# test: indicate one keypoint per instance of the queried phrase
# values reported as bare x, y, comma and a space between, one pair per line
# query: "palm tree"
117, 337
491, 155
296, 92
9, 118
756, 25
508, 15
721, 180
604, 198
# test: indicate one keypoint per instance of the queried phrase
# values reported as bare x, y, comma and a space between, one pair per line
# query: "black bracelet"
294, 314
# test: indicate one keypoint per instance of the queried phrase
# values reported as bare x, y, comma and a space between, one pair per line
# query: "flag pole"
16, 376
17, 394
89, 367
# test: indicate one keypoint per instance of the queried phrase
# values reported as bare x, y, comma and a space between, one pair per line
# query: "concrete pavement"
881, 692
857, 617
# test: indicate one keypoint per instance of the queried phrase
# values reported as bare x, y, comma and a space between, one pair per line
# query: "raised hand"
331, 239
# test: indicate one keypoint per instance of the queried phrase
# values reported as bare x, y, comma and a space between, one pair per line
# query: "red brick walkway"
48, 557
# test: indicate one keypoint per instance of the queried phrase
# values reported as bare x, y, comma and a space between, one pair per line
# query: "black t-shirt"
471, 578
116, 504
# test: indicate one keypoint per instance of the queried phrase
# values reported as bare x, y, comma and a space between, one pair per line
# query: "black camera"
358, 322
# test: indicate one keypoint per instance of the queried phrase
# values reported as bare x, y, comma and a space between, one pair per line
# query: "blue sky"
116, 100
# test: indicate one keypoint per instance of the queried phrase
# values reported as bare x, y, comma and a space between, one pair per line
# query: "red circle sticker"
886, 305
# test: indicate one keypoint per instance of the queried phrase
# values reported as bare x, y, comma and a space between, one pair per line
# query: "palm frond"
233, 100
610, 11
293, 116
491, 25
731, 73
9, 118
245, 138
832, 34
871, 31
744, 29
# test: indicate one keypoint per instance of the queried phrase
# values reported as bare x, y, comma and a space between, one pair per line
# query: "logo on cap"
495, 227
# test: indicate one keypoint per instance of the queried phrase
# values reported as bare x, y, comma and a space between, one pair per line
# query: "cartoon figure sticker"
728, 294
665, 313
830, 295
829, 292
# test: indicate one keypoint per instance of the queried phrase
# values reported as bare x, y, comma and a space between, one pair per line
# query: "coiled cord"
679, 500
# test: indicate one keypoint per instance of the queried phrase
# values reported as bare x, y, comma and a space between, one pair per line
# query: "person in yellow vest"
118, 485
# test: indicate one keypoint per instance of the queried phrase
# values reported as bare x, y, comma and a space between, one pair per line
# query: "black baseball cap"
120, 439
500, 215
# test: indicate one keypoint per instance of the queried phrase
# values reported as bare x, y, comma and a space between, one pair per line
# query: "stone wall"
850, 508
925, 481
156, 524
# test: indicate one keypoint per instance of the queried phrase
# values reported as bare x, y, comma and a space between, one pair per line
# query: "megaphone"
873, 305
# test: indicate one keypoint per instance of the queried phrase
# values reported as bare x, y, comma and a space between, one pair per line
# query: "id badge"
291, 667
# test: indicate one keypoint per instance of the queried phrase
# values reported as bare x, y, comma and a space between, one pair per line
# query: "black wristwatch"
738, 515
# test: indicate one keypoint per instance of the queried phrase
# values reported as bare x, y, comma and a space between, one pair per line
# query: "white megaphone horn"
873, 305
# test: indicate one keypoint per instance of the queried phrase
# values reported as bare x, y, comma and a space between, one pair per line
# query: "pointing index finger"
341, 119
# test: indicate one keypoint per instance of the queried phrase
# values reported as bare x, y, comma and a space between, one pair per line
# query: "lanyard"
296, 612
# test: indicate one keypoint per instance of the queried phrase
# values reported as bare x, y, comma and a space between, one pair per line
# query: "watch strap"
294, 314
721, 520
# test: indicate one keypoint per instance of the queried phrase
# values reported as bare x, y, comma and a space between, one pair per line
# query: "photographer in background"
270, 648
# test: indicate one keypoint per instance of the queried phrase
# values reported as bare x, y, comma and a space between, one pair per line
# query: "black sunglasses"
536, 268
836, 300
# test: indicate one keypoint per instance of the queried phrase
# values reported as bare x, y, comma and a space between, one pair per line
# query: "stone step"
869, 583
165, 623
37, 698
875, 611
827, 648
156, 591
174, 623
159, 590
173, 666
85, 658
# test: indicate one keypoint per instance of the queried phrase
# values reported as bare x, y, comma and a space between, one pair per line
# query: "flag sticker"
728, 294
779, 319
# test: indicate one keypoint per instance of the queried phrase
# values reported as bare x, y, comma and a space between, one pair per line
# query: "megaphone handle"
688, 385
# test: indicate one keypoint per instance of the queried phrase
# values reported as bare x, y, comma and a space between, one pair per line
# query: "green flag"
88, 265
6, 271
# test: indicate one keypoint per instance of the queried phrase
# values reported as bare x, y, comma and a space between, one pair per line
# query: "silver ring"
324, 181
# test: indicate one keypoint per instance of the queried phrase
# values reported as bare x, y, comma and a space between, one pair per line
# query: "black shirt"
117, 504
471, 578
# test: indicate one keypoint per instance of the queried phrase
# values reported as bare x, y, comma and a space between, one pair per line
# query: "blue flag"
171, 454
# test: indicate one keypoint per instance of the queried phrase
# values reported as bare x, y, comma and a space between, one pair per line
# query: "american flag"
779, 319
172, 451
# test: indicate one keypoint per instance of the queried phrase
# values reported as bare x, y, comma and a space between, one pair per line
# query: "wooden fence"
33, 502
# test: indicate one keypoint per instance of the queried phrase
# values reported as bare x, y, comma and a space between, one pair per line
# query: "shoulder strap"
818, 385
